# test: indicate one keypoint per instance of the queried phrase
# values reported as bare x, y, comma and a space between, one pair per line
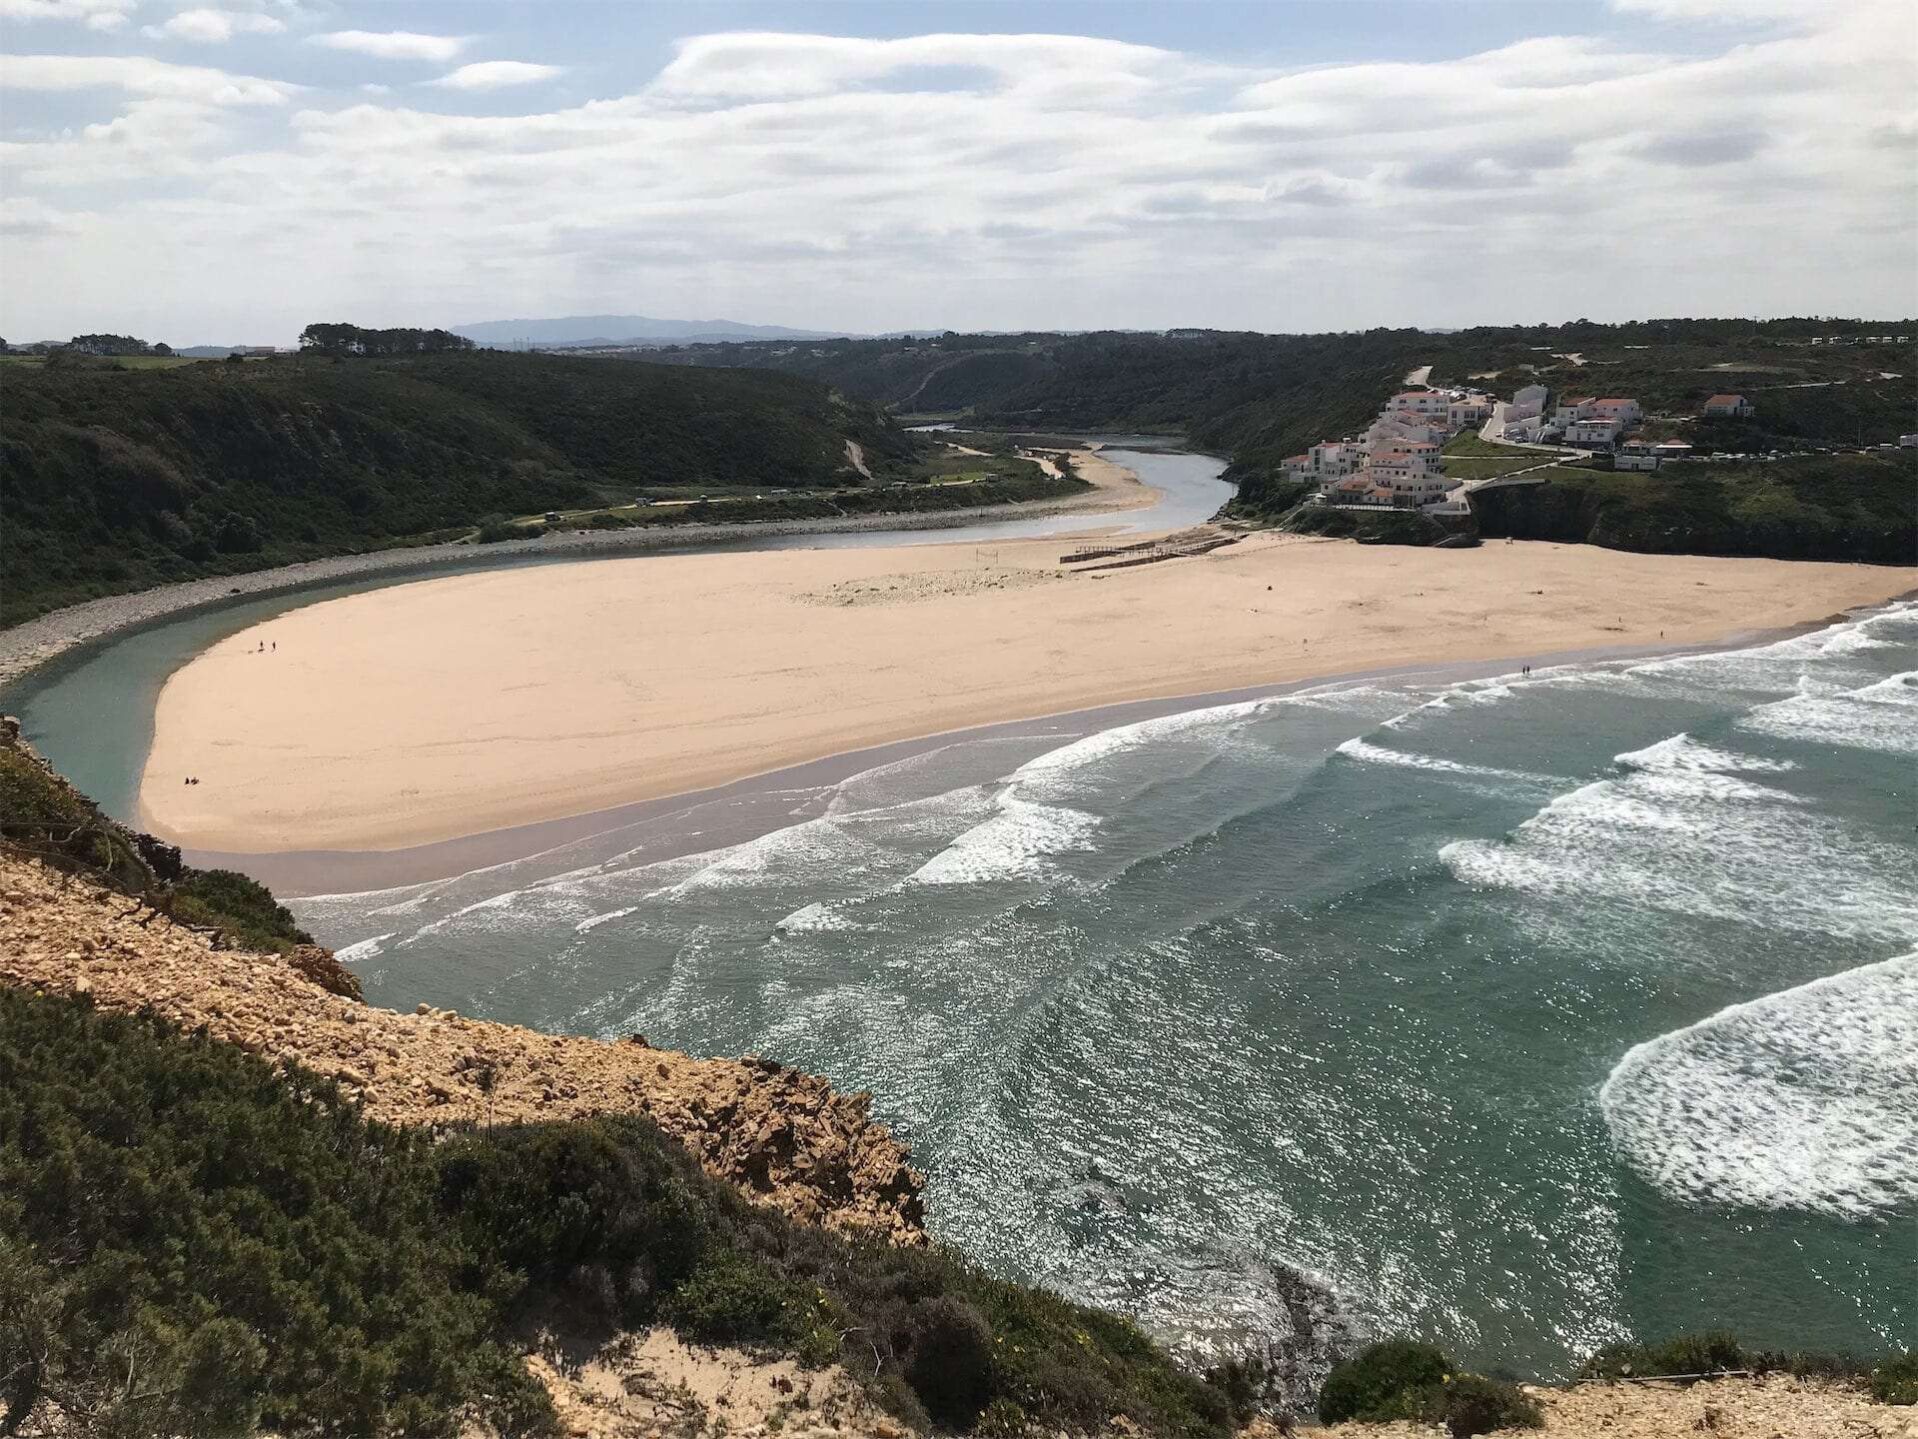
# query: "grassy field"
110, 362
1467, 457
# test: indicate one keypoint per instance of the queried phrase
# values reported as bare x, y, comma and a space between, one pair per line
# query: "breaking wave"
1805, 1099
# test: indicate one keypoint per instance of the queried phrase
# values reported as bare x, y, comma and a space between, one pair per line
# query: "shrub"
1475, 1405
605, 1214
243, 907
1706, 1353
731, 1299
1393, 1380
1896, 1380
949, 1363
497, 531
242, 1240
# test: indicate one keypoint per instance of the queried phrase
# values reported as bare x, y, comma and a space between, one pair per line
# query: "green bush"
241, 1243
1401, 1379
1896, 1380
1392, 1380
1707, 1353
1476, 1405
241, 907
949, 1361
731, 1299
495, 532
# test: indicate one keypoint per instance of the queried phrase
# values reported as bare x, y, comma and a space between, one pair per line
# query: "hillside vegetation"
1831, 507
43, 816
251, 1251
1259, 398
119, 480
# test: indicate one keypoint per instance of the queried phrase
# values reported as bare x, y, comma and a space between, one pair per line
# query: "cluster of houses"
1859, 340
1397, 460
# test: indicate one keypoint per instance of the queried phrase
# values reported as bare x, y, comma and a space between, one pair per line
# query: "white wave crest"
1804, 1099
819, 918
1018, 842
593, 922
1360, 748
1681, 754
1881, 717
1698, 841
365, 949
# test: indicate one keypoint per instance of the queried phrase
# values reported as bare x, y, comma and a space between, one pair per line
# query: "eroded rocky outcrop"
786, 1138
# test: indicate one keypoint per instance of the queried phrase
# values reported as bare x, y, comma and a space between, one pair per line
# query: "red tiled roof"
1616, 400
1726, 400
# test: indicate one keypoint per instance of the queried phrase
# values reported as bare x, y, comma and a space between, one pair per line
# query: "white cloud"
214, 27
496, 75
94, 14
1000, 181
764, 65
139, 76
392, 44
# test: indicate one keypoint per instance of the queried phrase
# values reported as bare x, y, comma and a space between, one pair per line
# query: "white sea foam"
593, 922
365, 949
1695, 840
819, 918
1360, 748
1684, 755
1019, 842
1805, 1099
1881, 716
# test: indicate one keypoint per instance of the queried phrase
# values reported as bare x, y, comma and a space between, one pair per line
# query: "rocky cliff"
785, 1138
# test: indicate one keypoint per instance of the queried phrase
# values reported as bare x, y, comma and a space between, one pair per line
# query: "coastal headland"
455, 706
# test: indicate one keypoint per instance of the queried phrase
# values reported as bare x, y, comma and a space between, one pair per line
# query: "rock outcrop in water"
785, 1138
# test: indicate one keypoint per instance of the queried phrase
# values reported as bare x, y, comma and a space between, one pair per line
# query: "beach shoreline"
305, 874
430, 724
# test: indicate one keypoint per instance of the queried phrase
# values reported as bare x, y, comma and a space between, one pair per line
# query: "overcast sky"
227, 170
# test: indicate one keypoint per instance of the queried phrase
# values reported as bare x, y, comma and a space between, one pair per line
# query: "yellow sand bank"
453, 706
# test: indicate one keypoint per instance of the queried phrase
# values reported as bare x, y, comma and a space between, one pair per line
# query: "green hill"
1828, 507
1259, 398
117, 480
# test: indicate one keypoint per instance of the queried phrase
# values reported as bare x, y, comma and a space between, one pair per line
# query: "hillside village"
1398, 460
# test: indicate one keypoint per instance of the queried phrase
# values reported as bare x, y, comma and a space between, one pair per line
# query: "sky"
226, 171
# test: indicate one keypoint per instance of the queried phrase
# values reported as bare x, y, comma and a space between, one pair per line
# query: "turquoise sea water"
1523, 1013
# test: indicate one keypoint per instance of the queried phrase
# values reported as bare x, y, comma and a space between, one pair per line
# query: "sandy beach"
458, 705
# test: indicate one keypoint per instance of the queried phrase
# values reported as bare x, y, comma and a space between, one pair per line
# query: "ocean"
1522, 1013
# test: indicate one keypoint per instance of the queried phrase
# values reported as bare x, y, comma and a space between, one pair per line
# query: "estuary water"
1523, 1013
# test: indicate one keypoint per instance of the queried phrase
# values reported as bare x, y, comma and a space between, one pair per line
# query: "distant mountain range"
625, 329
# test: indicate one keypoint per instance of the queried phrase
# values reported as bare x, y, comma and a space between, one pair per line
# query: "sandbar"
458, 705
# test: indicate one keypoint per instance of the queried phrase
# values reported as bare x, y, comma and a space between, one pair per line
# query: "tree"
161, 347
343, 339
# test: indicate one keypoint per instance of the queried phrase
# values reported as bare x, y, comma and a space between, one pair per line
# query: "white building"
1729, 407
1325, 463
1411, 469
1468, 408
1593, 434
1642, 454
1625, 411
1426, 404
